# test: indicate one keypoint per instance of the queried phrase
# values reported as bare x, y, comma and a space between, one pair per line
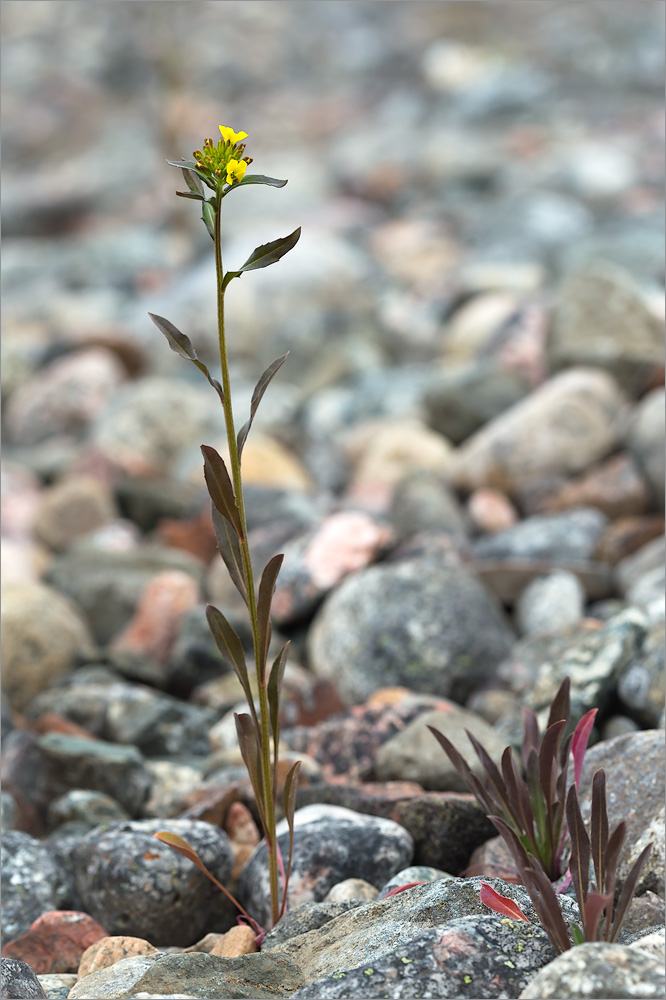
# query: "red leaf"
500, 904
579, 743
401, 888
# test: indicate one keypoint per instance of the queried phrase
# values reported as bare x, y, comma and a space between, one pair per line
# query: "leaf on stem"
492, 773
289, 801
258, 179
273, 691
259, 390
229, 546
530, 734
182, 345
191, 166
579, 742
193, 182
599, 827
183, 847
208, 218
561, 704
250, 749
628, 891
229, 644
495, 901
220, 487
264, 598
463, 769
595, 904
269, 253
545, 902
580, 848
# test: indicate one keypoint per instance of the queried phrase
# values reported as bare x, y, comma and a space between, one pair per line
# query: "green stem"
269, 777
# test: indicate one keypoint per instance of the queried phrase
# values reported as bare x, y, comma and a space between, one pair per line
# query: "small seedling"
222, 168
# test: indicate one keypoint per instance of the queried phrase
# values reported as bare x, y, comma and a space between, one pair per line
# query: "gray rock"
571, 536
44, 636
143, 888
466, 397
414, 755
32, 883
550, 603
531, 447
640, 685
423, 502
463, 958
645, 440
18, 980
330, 843
108, 585
85, 805
653, 943
57, 985
7, 811
351, 889
74, 762
597, 971
72, 508
601, 319
419, 624
415, 873
310, 916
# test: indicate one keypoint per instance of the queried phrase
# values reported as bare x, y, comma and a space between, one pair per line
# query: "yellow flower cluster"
226, 158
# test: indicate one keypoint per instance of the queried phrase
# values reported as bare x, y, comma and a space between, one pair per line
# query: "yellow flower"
229, 135
236, 170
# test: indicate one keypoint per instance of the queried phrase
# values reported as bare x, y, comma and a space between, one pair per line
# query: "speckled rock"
465, 397
330, 843
19, 981
72, 762
415, 873
550, 603
571, 536
616, 487
32, 883
351, 889
262, 976
424, 502
414, 755
141, 887
645, 440
596, 971
471, 957
43, 636
631, 763
309, 917
640, 685
84, 805
417, 623
72, 508
55, 941
111, 949
530, 446
57, 985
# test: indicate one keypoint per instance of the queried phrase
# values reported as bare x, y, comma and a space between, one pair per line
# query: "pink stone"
346, 543
158, 618
491, 510
55, 942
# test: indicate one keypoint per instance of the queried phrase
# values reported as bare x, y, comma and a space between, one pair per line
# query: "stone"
456, 959
422, 502
631, 763
346, 542
262, 976
601, 320
108, 950
473, 325
351, 889
616, 487
640, 685
55, 941
267, 463
414, 755
429, 627
32, 883
44, 636
71, 762
156, 624
415, 873
239, 940
645, 440
84, 805
107, 585
550, 603
65, 397
307, 917
639, 577
141, 887
598, 970
654, 944
644, 912
569, 537
57, 985
330, 843
72, 508
491, 510
465, 397
170, 785
530, 447
18, 980
627, 535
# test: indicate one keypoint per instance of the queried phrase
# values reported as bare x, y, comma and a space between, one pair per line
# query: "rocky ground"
462, 460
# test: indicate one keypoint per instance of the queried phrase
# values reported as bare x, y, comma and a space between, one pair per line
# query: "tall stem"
269, 775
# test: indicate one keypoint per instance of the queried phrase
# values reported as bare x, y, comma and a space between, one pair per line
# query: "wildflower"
236, 170
229, 135
224, 160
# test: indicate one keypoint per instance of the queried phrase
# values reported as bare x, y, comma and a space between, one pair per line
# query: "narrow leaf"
182, 345
186, 849
512, 842
628, 891
229, 546
493, 774
191, 165
190, 194
193, 182
560, 707
545, 902
289, 800
580, 849
547, 765
264, 598
599, 827
464, 771
229, 644
208, 218
494, 901
579, 743
613, 848
595, 904
519, 798
530, 734
273, 692
259, 390
250, 749
269, 253
220, 487
258, 179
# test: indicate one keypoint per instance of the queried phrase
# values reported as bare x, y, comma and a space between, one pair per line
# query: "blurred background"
450, 164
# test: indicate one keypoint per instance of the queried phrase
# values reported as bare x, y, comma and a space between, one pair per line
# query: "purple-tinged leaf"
229, 546
289, 800
259, 390
579, 742
628, 891
564, 884
519, 798
518, 852
599, 827
220, 487
264, 599
273, 691
464, 771
580, 848
230, 646
547, 758
270, 253
613, 848
595, 904
182, 345
561, 704
248, 741
545, 902
530, 734
494, 901
496, 782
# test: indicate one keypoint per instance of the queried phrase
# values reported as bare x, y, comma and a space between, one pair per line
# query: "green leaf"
208, 218
193, 182
264, 598
259, 390
273, 691
190, 194
191, 165
229, 546
269, 253
257, 179
230, 646
250, 749
578, 936
220, 487
182, 345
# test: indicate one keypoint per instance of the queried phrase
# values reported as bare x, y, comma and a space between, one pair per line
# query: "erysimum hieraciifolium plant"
216, 170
